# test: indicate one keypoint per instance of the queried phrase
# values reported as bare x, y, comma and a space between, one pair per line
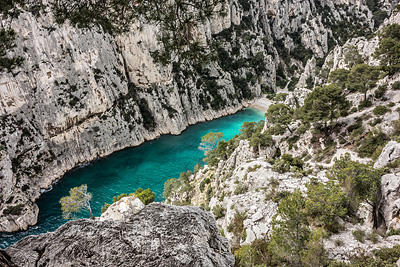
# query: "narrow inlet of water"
147, 166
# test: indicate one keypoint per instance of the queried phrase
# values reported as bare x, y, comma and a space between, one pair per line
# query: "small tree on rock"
362, 78
323, 105
210, 141
280, 114
77, 200
146, 196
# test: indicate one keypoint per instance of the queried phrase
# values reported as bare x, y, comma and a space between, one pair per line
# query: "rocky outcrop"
390, 153
390, 200
122, 209
159, 235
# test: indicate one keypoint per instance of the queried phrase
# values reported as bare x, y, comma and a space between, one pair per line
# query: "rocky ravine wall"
83, 94
77, 98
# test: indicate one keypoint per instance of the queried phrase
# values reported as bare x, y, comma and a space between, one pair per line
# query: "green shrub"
396, 85
253, 168
370, 144
280, 196
14, 210
219, 211
146, 196
280, 97
105, 207
393, 231
303, 128
383, 257
339, 242
359, 235
373, 237
254, 254
117, 198
203, 184
380, 92
394, 164
241, 189
236, 227
364, 104
209, 193
179, 186
380, 110
281, 166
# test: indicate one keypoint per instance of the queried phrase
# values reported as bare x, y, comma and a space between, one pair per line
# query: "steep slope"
82, 93
246, 180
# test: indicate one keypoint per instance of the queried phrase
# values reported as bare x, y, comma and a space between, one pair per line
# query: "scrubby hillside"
316, 183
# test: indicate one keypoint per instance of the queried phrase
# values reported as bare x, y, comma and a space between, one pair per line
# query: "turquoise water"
147, 166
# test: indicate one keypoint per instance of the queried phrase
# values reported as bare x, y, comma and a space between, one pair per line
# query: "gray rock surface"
5, 260
390, 200
390, 153
122, 209
159, 235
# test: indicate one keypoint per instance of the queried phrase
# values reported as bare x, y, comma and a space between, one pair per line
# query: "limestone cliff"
83, 93
158, 235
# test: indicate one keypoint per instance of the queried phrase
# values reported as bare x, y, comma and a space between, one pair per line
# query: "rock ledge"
158, 235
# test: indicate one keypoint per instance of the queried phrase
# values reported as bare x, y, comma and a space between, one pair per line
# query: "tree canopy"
326, 202
77, 200
290, 230
388, 50
361, 182
339, 77
323, 104
362, 78
280, 114
146, 196
210, 141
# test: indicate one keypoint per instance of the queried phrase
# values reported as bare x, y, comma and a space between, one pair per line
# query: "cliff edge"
158, 235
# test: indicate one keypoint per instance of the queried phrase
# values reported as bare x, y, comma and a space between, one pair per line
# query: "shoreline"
261, 104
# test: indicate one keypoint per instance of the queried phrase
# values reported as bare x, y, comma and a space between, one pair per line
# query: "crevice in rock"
378, 214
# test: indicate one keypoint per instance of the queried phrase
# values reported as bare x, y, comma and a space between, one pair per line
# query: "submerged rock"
158, 235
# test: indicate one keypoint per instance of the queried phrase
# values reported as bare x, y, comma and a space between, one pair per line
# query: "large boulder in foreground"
158, 235
5, 260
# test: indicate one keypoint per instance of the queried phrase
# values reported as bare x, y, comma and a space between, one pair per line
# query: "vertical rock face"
390, 200
83, 93
159, 235
390, 153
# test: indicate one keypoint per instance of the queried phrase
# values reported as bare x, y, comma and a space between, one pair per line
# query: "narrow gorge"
81, 80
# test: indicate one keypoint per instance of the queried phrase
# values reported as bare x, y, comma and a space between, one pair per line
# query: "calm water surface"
147, 166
